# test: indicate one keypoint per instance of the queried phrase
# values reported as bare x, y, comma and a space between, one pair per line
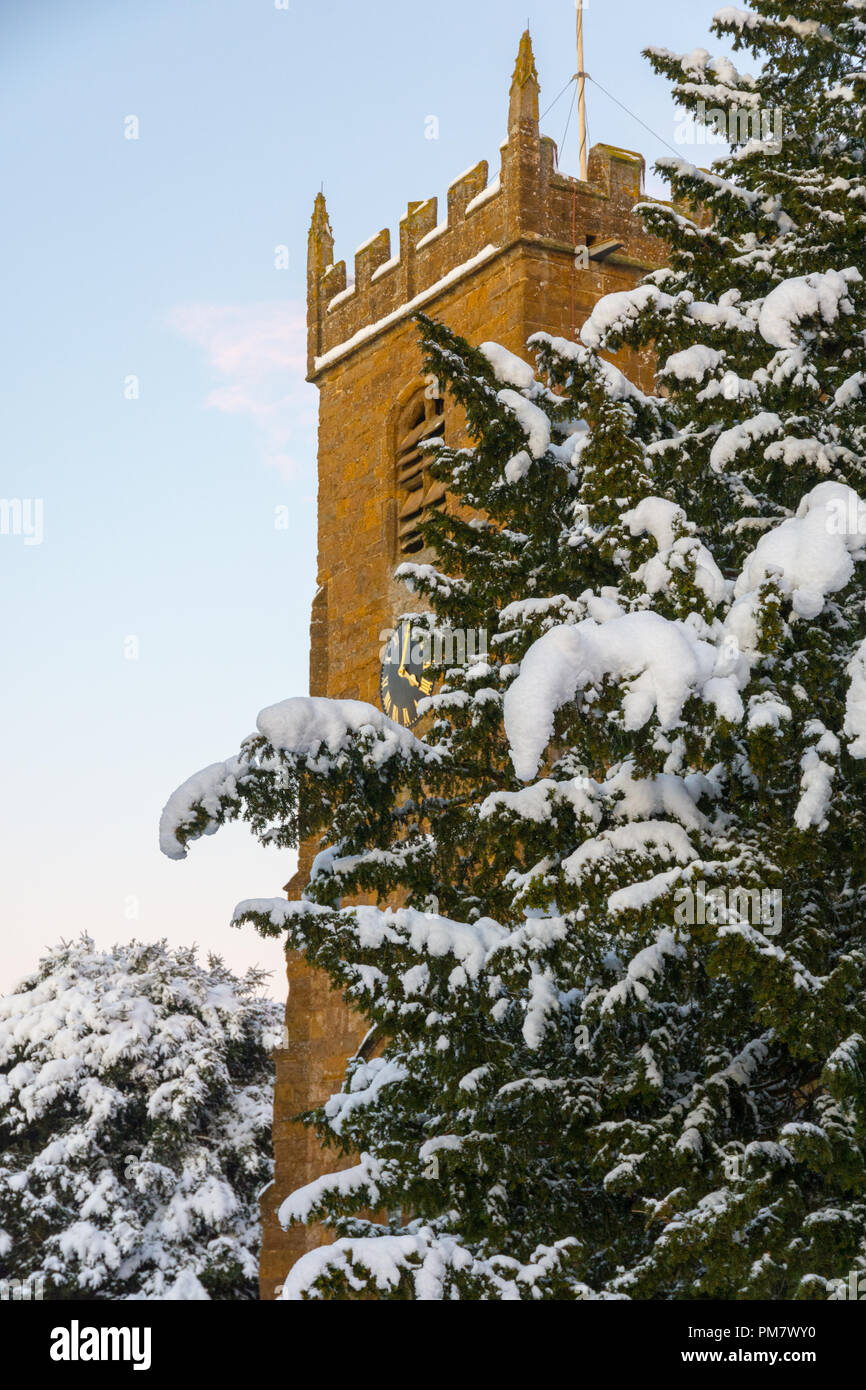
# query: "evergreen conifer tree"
621, 1011
136, 1096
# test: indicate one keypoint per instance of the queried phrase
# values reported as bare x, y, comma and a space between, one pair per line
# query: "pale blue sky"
154, 258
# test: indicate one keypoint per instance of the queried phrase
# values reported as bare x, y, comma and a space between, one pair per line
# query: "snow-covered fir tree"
620, 1010
136, 1090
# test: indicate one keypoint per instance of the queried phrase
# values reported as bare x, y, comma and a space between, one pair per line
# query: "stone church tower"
532, 249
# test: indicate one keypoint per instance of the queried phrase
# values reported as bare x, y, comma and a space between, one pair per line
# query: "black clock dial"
405, 678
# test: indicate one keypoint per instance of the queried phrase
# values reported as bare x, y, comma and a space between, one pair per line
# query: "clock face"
405, 679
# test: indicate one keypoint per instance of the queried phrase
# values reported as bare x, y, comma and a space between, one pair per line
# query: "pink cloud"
259, 353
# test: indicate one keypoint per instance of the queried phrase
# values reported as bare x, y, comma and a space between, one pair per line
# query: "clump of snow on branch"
820, 296
663, 663
814, 552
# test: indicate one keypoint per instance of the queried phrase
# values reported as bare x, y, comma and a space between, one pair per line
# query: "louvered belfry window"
417, 492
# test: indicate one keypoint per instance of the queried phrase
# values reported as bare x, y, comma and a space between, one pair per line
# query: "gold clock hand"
402, 667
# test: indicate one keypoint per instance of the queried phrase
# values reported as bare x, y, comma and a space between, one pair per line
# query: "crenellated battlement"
529, 200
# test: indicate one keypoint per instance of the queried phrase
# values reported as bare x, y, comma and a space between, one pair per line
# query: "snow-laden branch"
429, 1267
779, 317
733, 20
394, 930
664, 663
813, 553
821, 295
303, 735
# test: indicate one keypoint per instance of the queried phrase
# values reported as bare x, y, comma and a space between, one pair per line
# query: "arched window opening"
422, 418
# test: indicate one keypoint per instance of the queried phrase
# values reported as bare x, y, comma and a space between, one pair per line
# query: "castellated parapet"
528, 204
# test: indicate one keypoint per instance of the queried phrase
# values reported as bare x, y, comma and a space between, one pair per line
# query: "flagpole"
581, 93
